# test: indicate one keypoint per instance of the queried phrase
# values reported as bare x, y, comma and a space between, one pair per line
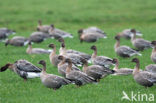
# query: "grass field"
112, 16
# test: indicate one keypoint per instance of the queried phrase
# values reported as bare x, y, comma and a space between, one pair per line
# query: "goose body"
31, 50
93, 29
38, 37
100, 60
6, 31
151, 68
95, 71
17, 41
57, 33
121, 71
51, 80
128, 34
23, 68
78, 77
143, 78
63, 65
124, 51
140, 43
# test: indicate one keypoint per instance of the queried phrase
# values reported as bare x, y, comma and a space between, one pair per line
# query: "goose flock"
69, 61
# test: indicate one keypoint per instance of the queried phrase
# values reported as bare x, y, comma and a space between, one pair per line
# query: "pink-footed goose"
57, 33
89, 37
63, 65
43, 28
124, 51
51, 80
23, 68
31, 50
127, 34
78, 77
143, 78
100, 60
140, 43
39, 37
63, 49
17, 41
153, 54
5, 32
121, 71
95, 71
53, 56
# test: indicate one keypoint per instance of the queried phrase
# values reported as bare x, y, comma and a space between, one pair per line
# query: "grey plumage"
151, 68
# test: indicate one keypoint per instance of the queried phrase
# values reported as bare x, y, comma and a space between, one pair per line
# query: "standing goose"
38, 37
17, 41
31, 50
153, 55
140, 43
128, 34
100, 60
63, 65
53, 56
57, 33
151, 68
124, 51
42, 28
63, 49
23, 68
121, 71
51, 80
89, 37
95, 71
143, 78
78, 77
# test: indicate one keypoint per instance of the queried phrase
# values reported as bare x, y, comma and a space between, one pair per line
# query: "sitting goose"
89, 37
95, 71
143, 78
153, 55
63, 65
140, 43
42, 28
57, 33
94, 29
51, 80
31, 50
78, 77
53, 56
151, 68
17, 41
124, 51
121, 71
63, 50
100, 60
38, 37
23, 68
6, 31
127, 34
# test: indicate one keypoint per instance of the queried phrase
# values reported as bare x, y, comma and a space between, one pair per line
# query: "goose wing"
148, 76
143, 42
127, 50
24, 65
102, 61
151, 68
41, 51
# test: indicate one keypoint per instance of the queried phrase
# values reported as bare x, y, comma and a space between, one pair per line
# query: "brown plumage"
43, 28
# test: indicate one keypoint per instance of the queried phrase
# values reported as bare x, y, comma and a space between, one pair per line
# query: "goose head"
68, 61
62, 45
114, 61
29, 43
4, 68
80, 31
153, 43
52, 46
133, 31
135, 60
93, 48
61, 57
61, 40
84, 61
43, 63
117, 37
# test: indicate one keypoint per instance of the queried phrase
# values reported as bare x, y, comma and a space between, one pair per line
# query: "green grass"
112, 16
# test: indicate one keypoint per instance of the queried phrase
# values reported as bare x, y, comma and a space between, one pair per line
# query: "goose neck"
69, 68
85, 66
